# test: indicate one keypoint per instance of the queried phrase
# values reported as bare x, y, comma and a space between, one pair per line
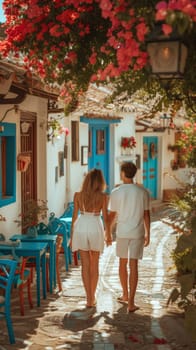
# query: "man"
130, 209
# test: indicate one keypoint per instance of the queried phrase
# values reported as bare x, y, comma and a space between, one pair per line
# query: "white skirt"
88, 233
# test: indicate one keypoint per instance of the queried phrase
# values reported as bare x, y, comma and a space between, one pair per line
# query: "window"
100, 141
7, 163
74, 140
90, 143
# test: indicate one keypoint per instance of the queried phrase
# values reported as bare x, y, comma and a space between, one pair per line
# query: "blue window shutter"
8, 131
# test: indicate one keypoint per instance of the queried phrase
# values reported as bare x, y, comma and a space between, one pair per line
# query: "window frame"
7, 163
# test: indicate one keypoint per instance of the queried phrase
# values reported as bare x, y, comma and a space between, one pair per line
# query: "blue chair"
59, 241
68, 211
22, 276
58, 227
7, 271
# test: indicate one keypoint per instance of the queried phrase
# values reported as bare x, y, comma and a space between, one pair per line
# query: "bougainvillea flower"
87, 40
93, 58
162, 5
167, 29
142, 30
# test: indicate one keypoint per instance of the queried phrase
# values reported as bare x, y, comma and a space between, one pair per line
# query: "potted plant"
35, 213
183, 220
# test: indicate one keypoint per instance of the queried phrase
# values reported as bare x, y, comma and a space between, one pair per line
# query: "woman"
87, 234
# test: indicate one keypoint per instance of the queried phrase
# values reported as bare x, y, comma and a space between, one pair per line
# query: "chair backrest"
68, 211
7, 271
21, 273
56, 226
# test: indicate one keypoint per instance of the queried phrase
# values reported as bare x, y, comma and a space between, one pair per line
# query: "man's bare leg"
133, 281
123, 275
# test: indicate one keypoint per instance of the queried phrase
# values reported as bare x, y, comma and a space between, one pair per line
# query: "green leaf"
186, 283
173, 296
184, 242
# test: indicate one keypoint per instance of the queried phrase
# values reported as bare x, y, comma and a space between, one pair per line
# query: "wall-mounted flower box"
127, 145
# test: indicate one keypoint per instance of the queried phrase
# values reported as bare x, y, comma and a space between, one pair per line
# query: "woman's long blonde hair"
93, 185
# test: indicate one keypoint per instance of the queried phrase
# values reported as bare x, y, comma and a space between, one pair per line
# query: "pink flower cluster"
188, 137
168, 11
54, 36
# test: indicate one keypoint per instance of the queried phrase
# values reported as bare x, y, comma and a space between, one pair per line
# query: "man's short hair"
129, 169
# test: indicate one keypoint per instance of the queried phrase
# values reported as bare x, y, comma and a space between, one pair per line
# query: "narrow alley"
63, 322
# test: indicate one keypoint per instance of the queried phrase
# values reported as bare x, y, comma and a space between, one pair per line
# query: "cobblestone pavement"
63, 322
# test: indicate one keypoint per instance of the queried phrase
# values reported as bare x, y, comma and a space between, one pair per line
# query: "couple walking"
127, 207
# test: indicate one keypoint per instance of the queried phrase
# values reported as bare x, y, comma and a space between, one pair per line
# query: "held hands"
108, 242
108, 228
108, 239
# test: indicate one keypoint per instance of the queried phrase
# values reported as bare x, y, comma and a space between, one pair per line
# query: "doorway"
150, 164
28, 141
99, 149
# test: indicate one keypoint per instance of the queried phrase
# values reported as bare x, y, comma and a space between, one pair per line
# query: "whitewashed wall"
124, 129
77, 171
56, 186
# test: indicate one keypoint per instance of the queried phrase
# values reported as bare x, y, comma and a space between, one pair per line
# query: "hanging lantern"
166, 122
167, 54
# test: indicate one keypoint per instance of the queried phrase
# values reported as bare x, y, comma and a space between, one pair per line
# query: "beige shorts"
129, 248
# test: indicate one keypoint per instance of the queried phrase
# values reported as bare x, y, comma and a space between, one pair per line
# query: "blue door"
150, 164
99, 149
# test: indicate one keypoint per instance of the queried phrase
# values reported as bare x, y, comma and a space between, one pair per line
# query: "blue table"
37, 250
51, 240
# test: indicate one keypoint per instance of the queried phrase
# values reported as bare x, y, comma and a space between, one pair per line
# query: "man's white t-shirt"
129, 201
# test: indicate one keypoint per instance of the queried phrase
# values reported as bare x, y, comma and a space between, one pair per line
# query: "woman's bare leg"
94, 276
86, 274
